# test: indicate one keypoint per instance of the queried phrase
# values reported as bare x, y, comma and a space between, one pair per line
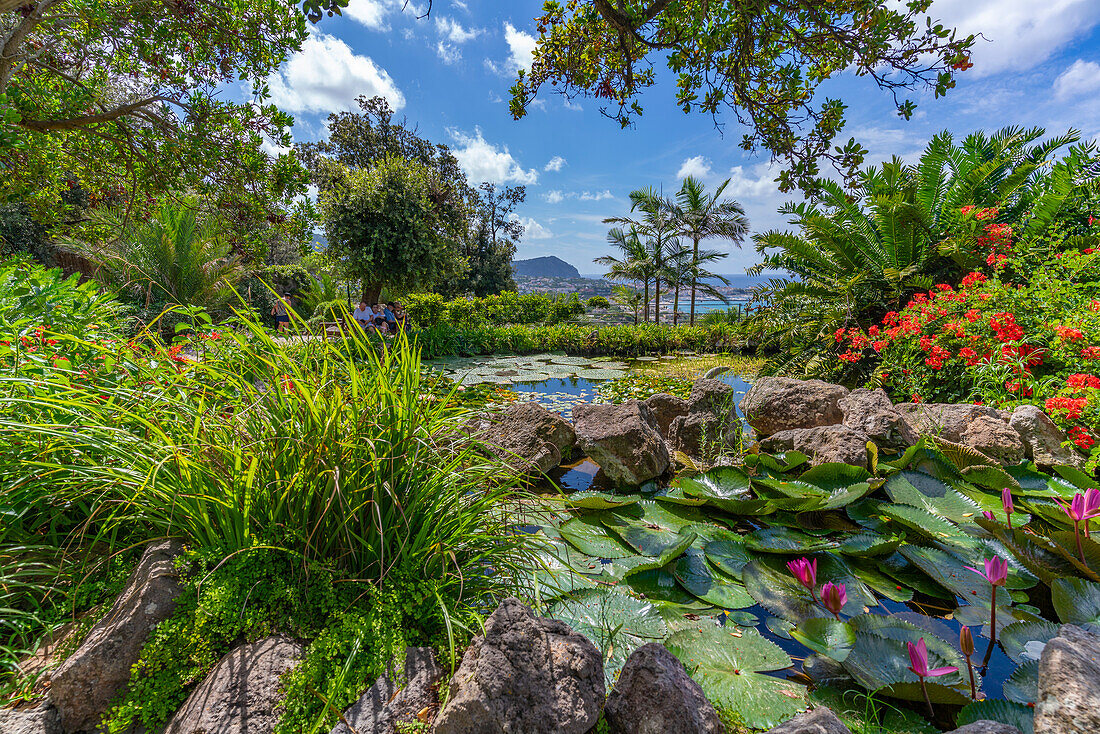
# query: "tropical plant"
860, 254
686, 267
320, 289
178, 256
631, 298
700, 216
657, 232
634, 265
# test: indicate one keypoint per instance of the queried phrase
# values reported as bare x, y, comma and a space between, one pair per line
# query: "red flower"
916, 398
1080, 380
997, 261
1068, 334
969, 356
973, 315
838, 335
973, 279
1071, 407
1091, 352
1005, 326
1081, 437
966, 210
1016, 386
891, 318
873, 331
880, 345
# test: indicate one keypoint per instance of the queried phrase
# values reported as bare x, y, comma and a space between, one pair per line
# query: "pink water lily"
987, 514
1006, 502
805, 571
1081, 509
833, 598
918, 658
996, 571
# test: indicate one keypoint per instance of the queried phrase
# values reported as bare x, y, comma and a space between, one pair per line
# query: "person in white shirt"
364, 315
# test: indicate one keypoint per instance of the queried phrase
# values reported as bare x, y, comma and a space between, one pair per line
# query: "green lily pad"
1006, 712
616, 623
622, 568
726, 488
1024, 641
923, 522
777, 539
588, 535
779, 593
729, 664
728, 555
660, 585
1023, 685
1077, 601
649, 539
868, 544
928, 493
693, 573
825, 636
880, 659
589, 500
600, 374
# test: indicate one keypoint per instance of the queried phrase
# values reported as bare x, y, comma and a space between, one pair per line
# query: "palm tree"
174, 257
700, 216
636, 265
687, 266
657, 230
629, 297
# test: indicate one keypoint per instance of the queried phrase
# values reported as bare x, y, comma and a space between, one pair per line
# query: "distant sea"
737, 280
704, 305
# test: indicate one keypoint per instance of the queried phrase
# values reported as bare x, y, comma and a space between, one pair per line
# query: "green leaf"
928, 493
1024, 640
727, 489
777, 539
1005, 712
833, 476
728, 555
828, 637
728, 665
869, 544
695, 575
880, 657
622, 568
589, 500
1077, 601
660, 585
588, 535
1023, 685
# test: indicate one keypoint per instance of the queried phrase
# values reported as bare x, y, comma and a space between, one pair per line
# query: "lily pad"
1023, 685
693, 573
928, 493
660, 585
728, 555
726, 488
1024, 641
622, 568
825, 636
869, 544
880, 659
589, 500
588, 535
729, 665
600, 374
778, 539
1006, 712
1077, 601
779, 593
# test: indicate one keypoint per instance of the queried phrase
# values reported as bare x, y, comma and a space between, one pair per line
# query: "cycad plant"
701, 216
176, 257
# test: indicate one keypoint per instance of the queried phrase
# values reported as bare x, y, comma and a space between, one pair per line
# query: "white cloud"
448, 53
555, 164
756, 183
327, 75
521, 47
554, 197
484, 161
697, 166
532, 230
453, 31
1082, 78
596, 196
1018, 34
461, 5
371, 13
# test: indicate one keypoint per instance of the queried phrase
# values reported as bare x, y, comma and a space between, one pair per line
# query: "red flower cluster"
973, 279
1081, 381
1005, 327
1068, 334
1070, 408
1081, 438
1091, 352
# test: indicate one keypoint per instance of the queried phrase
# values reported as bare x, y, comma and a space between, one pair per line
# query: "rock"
871, 413
1069, 684
525, 675
711, 396
241, 695
1042, 439
527, 434
819, 721
699, 434
823, 444
655, 695
986, 727
42, 719
776, 404
395, 698
623, 439
666, 408
83, 686
977, 426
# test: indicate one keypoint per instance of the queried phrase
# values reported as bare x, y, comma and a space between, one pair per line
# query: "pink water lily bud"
834, 597
988, 515
966, 641
918, 658
996, 571
1006, 501
805, 571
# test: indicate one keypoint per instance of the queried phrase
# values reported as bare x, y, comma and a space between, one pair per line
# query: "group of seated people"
387, 318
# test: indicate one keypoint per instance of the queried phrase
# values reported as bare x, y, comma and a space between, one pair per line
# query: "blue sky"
1038, 64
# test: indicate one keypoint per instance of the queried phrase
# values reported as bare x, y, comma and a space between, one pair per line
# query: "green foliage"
762, 63
384, 226
565, 307
597, 302
637, 385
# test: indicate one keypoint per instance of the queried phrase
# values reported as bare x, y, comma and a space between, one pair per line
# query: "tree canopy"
762, 60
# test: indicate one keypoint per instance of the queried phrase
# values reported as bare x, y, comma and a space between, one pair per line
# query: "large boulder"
623, 439
699, 434
242, 694
526, 434
666, 409
823, 444
1042, 439
711, 396
870, 412
42, 719
979, 427
398, 696
775, 404
655, 695
525, 674
83, 686
821, 720
1069, 684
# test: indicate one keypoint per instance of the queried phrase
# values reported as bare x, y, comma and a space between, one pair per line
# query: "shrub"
425, 309
566, 307
597, 302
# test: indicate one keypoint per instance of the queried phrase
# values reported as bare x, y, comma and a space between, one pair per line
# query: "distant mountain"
545, 267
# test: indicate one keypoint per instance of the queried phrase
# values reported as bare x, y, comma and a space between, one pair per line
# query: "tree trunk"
645, 307
371, 292
657, 300
694, 270
676, 306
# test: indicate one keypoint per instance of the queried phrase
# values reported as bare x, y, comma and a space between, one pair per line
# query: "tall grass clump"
332, 459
